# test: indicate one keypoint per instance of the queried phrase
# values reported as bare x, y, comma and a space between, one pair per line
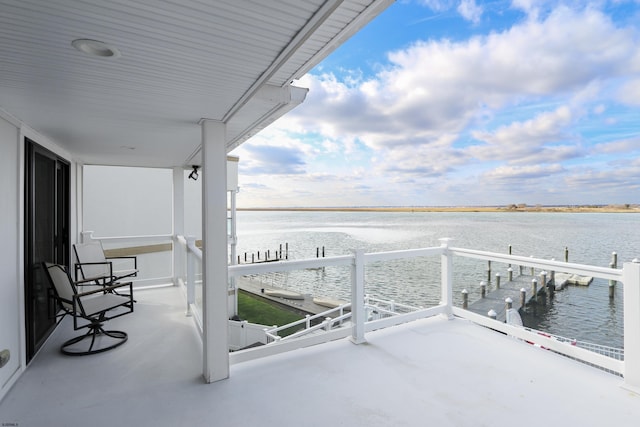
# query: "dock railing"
629, 276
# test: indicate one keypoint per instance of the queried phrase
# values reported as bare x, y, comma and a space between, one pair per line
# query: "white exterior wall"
11, 299
12, 158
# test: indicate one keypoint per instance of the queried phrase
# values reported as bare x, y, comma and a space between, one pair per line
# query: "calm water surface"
584, 313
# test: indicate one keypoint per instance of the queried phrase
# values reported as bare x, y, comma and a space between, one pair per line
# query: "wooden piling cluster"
267, 256
280, 254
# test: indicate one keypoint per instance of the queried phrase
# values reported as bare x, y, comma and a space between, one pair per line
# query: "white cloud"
519, 173
418, 115
531, 141
623, 146
436, 87
470, 11
630, 93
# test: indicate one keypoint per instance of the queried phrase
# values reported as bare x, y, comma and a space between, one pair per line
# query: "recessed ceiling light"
96, 48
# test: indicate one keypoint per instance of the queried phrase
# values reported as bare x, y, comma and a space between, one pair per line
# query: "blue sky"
463, 103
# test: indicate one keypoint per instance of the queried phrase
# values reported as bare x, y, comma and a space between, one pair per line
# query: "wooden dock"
494, 298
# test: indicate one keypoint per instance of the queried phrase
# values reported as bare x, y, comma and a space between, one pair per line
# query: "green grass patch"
254, 309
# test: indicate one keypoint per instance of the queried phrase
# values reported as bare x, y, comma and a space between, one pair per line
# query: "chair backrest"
88, 253
62, 283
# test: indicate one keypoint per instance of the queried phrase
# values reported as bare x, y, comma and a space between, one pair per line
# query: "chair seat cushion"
96, 304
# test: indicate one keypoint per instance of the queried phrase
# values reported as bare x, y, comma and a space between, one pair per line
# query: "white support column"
215, 322
446, 291
79, 202
178, 224
233, 289
357, 297
191, 275
631, 281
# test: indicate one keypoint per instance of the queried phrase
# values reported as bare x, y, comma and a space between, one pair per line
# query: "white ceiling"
181, 60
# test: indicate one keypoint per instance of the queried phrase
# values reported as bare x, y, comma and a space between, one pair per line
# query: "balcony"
438, 365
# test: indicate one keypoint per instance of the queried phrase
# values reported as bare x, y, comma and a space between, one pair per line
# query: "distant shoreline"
513, 208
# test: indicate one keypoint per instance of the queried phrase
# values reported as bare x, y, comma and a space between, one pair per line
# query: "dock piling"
510, 271
612, 283
497, 280
465, 299
534, 289
523, 297
548, 285
483, 288
492, 314
508, 303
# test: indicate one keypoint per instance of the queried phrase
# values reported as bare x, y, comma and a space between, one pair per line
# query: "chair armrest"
134, 258
78, 267
105, 289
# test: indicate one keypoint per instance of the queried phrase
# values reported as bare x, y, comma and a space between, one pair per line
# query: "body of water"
584, 313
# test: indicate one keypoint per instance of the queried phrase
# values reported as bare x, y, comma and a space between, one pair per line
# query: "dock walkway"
495, 299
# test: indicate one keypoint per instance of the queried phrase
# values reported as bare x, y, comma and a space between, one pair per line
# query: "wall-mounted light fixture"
194, 173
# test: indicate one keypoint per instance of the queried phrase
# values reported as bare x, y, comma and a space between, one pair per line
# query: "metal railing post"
357, 297
631, 289
191, 275
446, 288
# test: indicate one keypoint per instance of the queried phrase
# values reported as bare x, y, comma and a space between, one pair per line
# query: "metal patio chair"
89, 310
93, 266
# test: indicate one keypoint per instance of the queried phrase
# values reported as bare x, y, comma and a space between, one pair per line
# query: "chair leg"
95, 331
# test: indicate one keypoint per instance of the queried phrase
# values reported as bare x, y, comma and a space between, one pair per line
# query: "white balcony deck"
428, 372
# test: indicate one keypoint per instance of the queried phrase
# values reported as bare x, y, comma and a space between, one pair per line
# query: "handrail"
191, 245
582, 269
88, 235
308, 319
277, 266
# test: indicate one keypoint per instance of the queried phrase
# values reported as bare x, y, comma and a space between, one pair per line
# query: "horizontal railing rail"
582, 269
277, 266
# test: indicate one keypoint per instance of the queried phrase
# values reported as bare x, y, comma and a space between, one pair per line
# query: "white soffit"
177, 61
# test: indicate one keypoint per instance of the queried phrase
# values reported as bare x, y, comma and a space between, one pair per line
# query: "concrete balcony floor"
429, 372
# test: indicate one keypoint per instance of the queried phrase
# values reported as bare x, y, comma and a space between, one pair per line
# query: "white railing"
340, 316
629, 276
148, 275
192, 281
310, 324
243, 334
359, 317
